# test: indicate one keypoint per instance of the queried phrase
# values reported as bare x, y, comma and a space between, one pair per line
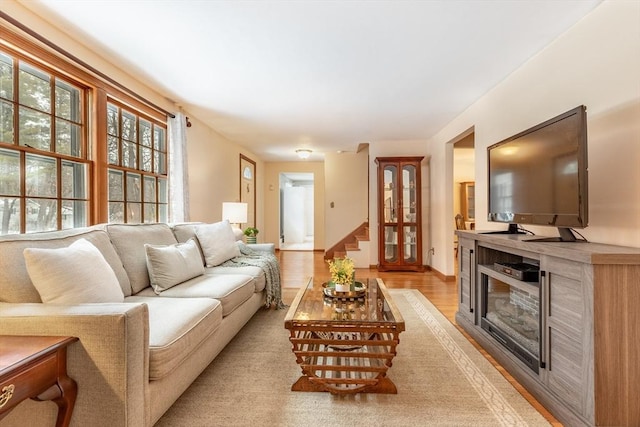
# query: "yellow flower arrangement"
342, 270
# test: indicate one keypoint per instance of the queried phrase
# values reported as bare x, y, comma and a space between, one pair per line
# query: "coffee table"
344, 345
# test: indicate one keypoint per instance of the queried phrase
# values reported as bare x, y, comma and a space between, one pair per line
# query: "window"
59, 168
44, 166
137, 157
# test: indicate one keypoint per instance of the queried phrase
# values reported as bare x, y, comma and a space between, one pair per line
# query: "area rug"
442, 380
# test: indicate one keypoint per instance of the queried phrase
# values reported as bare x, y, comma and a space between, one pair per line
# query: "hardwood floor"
296, 266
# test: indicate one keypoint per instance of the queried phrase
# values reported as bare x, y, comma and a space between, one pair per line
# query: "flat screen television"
539, 176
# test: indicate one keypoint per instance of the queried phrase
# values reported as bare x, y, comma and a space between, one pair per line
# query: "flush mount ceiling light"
303, 153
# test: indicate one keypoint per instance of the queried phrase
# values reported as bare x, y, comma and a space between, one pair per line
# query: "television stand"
588, 323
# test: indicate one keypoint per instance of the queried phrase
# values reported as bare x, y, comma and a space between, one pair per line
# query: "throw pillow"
218, 242
76, 274
173, 264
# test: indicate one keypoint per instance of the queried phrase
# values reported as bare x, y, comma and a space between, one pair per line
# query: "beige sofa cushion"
169, 265
259, 279
177, 327
15, 283
218, 242
231, 290
129, 241
76, 274
186, 231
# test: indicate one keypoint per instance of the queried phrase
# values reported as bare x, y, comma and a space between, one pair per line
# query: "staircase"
355, 245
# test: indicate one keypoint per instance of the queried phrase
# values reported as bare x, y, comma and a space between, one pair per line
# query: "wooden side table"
36, 368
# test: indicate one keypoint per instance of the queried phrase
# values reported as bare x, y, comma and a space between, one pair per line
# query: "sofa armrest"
263, 247
110, 362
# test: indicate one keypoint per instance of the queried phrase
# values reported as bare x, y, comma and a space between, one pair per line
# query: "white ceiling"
274, 76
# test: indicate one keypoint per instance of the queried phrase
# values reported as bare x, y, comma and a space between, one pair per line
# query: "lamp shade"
235, 213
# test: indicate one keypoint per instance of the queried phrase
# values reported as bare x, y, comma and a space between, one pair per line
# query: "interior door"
248, 188
294, 220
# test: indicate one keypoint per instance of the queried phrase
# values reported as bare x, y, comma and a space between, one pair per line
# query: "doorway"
464, 172
296, 211
461, 167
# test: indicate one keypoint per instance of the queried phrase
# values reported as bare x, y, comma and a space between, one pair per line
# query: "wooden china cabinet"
399, 214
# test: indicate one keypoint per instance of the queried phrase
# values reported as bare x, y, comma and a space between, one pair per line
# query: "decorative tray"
359, 290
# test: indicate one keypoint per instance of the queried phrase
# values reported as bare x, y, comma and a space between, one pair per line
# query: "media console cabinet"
582, 359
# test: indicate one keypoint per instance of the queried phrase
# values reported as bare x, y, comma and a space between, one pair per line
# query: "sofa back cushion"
186, 231
77, 274
129, 241
15, 283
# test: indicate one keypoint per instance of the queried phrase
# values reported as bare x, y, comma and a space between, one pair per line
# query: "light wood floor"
296, 266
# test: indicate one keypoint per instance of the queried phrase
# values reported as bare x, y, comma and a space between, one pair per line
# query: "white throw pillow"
173, 264
76, 274
218, 242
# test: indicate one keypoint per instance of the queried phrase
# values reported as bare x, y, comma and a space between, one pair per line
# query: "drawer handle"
7, 393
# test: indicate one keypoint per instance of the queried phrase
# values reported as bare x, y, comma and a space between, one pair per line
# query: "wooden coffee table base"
345, 360
344, 344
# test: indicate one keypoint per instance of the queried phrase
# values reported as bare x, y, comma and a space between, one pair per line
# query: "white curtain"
178, 173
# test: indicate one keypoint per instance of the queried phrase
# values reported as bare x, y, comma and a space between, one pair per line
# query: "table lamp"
236, 214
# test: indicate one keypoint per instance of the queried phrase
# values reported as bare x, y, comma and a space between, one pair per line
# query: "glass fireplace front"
511, 314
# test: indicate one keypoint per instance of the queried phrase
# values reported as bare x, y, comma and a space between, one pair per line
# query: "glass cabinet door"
391, 243
390, 189
409, 196
390, 193
410, 244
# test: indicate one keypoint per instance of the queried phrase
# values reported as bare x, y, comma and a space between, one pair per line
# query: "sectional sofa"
151, 304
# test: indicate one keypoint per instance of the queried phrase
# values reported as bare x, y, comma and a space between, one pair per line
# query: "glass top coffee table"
344, 342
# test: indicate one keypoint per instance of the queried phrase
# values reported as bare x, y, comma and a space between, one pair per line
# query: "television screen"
539, 176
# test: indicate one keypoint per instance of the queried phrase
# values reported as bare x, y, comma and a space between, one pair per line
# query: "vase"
340, 287
251, 239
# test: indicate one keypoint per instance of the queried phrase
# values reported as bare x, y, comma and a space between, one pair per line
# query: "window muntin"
137, 155
43, 166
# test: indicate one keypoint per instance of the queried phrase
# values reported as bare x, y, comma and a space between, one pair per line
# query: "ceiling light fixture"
303, 153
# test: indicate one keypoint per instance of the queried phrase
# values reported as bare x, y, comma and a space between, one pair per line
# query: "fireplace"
511, 315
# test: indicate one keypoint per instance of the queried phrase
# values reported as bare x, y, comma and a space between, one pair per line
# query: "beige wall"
214, 174
271, 189
347, 187
595, 63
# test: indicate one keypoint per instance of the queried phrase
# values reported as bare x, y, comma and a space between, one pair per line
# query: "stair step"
352, 246
350, 243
